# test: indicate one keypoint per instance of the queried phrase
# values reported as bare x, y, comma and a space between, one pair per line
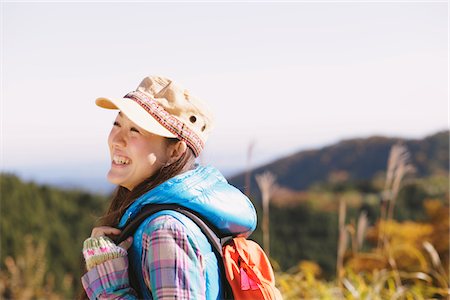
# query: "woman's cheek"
151, 158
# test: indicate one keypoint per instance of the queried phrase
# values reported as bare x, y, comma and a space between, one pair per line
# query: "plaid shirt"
172, 266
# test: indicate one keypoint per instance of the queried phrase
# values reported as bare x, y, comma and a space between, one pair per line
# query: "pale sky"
289, 76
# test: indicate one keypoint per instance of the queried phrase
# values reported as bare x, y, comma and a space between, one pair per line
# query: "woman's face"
136, 154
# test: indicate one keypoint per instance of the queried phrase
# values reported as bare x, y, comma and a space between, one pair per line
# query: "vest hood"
205, 191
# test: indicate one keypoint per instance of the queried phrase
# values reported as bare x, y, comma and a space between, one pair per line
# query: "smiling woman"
159, 131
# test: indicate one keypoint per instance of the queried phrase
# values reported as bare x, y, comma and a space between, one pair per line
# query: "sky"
285, 76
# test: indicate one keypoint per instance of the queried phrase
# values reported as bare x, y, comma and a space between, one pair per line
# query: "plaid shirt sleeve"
172, 264
109, 280
172, 267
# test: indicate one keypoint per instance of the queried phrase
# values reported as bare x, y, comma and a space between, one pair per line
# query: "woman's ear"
176, 151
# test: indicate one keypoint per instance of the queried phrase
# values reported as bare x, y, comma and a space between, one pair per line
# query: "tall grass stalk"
342, 242
397, 167
363, 223
247, 188
267, 185
439, 272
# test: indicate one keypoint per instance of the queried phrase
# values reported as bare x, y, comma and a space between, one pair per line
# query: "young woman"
159, 131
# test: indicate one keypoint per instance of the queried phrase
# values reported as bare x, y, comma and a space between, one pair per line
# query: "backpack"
249, 274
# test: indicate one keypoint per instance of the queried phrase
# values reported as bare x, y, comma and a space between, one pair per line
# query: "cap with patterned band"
161, 107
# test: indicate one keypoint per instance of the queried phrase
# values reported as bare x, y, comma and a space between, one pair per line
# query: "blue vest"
206, 191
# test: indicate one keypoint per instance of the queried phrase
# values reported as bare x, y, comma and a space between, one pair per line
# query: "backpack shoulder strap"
151, 209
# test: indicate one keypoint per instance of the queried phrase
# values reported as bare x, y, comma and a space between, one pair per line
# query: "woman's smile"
120, 160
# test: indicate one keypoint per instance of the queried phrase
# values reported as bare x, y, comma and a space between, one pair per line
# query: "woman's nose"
119, 139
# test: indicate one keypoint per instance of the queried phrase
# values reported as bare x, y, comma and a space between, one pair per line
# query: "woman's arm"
107, 264
173, 266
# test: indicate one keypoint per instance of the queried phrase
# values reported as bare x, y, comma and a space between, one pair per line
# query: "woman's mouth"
121, 160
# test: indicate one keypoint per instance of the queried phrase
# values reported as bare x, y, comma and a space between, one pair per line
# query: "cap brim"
136, 114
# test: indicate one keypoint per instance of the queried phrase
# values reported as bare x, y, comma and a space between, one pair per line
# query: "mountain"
353, 160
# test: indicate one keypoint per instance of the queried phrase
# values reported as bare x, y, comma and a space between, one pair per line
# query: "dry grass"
26, 277
404, 265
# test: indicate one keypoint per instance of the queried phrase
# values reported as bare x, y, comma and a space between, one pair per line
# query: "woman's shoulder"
177, 225
165, 220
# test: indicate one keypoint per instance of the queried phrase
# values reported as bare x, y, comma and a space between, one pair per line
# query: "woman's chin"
114, 178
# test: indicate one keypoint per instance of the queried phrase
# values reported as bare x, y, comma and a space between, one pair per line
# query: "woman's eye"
134, 129
116, 124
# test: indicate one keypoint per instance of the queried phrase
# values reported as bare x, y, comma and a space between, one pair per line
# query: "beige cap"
162, 107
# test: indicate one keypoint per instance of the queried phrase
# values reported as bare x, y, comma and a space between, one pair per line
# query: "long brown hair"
122, 197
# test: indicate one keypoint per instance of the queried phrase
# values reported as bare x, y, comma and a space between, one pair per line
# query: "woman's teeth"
121, 160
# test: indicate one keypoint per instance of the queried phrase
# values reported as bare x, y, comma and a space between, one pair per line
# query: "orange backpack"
249, 274
248, 270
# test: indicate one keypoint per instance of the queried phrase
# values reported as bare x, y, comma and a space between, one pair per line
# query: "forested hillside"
58, 219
